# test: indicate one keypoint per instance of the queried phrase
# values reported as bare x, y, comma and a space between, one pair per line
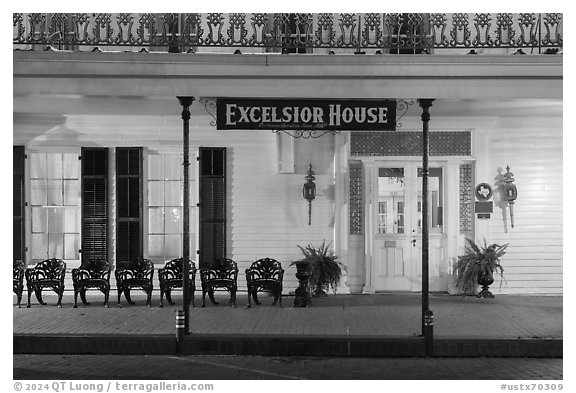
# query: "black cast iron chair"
18, 279
170, 277
222, 274
265, 274
94, 273
50, 274
138, 274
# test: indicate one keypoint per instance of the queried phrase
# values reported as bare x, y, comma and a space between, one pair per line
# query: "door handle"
413, 242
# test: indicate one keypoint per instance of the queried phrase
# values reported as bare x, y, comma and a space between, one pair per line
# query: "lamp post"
186, 102
427, 315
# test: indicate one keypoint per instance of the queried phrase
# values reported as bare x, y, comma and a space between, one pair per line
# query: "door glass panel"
435, 200
391, 193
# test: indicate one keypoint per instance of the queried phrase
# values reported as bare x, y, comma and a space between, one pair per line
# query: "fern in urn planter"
477, 267
325, 270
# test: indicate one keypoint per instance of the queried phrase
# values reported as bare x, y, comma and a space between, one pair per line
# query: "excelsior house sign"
306, 114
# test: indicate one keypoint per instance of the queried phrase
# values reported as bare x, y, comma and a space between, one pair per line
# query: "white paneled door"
396, 224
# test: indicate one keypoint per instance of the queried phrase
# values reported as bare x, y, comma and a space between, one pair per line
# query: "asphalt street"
169, 367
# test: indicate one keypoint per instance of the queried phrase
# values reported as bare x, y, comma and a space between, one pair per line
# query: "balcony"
297, 33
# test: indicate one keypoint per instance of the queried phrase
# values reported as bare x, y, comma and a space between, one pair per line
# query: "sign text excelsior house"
305, 114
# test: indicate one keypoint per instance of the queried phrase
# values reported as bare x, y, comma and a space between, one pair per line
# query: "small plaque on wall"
483, 215
390, 244
483, 207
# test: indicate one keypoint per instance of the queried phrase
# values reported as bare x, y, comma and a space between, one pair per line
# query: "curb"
271, 345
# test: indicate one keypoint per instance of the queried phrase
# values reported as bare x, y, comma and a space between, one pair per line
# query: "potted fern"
477, 267
325, 271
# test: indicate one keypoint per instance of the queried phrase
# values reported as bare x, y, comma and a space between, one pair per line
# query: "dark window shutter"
212, 209
94, 203
128, 204
18, 157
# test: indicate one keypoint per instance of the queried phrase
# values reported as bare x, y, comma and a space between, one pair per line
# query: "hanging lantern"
510, 192
309, 191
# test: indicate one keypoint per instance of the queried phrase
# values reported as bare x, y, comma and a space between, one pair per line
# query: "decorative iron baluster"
553, 34
103, 29
482, 23
18, 28
504, 30
80, 23
416, 35
215, 25
37, 24
192, 31
347, 26
259, 27
58, 26
325, 31
146, 31
438, 22
372, 31
303, 38
237, 30
527, 24
170, 27
125, 24
460, 33
281, 31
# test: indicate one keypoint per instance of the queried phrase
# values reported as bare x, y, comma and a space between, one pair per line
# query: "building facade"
98, 136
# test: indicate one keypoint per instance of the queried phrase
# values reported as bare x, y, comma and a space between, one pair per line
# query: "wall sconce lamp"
510, 192
309, 191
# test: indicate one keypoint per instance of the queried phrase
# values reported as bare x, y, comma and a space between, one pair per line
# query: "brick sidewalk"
341, 317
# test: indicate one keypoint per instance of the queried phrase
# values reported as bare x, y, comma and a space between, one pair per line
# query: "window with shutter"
128, 204
94, 203
212, 208
18, 202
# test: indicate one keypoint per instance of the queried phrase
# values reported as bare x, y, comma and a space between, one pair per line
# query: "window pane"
173, 221
55, 220
54, 166
39, 246
37, 166
173, 249
71, 220
156, 220
38, 192
55, 193
173, 169
173, 193
155, 167
155, 193
155, 246
71, 246
56, 246
71, 166
71, 192
39, 219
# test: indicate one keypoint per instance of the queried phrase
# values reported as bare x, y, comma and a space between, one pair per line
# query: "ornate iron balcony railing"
292, 33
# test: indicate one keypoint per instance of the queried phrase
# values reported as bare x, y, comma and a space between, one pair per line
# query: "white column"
368, 229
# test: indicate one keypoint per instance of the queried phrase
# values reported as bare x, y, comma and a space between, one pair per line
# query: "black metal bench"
171, 276
18, 279
138, 274
94, 273
265, 274
49, 273
222, 274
